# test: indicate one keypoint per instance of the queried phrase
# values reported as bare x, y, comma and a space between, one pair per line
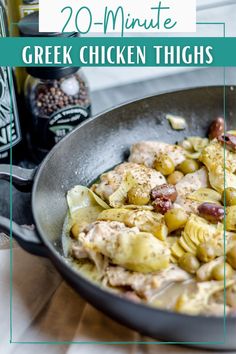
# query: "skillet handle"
26, 236
22, 178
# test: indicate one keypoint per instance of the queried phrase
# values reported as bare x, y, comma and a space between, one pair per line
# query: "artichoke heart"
198, 143
193, 155
145, 220
200, 230
204, 195
197, 230
80, 197
220, 177
213, 156
176, 122
177, 250
146, 254
84, 206
127, 247
193, 146
221, 165
118, 198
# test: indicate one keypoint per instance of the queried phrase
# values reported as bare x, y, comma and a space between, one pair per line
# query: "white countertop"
46, 309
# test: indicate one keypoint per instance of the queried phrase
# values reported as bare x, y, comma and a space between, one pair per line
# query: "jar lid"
30, 2
29, 27
51, 73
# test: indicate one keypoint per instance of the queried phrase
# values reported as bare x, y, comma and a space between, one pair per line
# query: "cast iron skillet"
94, 147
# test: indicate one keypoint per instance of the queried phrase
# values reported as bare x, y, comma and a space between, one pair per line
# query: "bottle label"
28, 9
10, 133
64, 121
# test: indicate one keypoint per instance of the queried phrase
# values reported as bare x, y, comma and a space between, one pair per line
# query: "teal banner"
110, 51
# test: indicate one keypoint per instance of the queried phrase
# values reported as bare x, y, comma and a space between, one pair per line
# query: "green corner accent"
214, 23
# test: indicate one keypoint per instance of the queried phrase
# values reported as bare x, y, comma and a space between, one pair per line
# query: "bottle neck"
3, 21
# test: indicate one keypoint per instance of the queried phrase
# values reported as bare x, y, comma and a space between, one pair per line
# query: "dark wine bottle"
10, 132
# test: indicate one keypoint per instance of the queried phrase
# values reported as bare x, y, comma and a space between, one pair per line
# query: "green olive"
222, 270
229, 196
164, 164
206, 252
189, 262
175, 219
231, 256
188, 166
231, 218
139, 195
175, 177
74, 231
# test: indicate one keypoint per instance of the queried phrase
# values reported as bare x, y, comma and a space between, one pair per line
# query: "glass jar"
58, 101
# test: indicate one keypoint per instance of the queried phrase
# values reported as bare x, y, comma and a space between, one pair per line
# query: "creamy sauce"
167, 297
85, 267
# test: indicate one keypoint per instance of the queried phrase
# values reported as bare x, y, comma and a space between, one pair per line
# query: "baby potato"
188, 166
175, 219
164, 164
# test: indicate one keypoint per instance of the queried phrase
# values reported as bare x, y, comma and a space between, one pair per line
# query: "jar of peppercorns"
58, 100
57, 97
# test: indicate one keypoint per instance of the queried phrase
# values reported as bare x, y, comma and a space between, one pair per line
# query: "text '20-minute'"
117, 20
